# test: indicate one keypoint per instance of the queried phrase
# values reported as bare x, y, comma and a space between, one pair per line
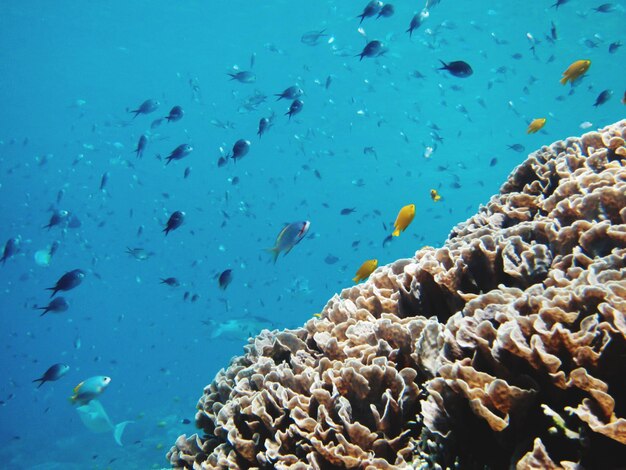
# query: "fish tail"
445, 66
396, 232
53, 289
564, 80
72, 399
356, 279
275, 252
40, 380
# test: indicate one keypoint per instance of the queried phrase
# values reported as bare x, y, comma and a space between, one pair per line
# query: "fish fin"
274, 251
396, 232
77, 388
118, 430
72, 399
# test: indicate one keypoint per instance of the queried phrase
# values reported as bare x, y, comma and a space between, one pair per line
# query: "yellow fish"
365, 270
535, 125
575, 70
405, 216
434, 195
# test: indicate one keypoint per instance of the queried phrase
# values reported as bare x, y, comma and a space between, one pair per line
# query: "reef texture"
504, 348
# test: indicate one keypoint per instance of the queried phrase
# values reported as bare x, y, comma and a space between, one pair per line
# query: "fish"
372, 49
175, 114
559, 3
289, 237
264, 125
614, 46
146, 107
434, 195
575, 70
516, 147
416, 21
175, 221
604, 8
290, 93
348, 211
170, 281
54, 372
603, 97
311, 38
225, 278
404, 218
237, 329
11, 248
95, 418
386, 11
364, 271
141, 146
294, 108
535, 125
331, 259
68, 281
139, 254
458, 68
58, 217
89, 389
243, 76
240, 149
371, 9
56, 305
179, 153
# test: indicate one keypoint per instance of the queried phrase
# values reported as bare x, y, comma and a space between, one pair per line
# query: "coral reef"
506, 347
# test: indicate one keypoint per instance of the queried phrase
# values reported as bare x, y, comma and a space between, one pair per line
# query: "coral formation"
506, 347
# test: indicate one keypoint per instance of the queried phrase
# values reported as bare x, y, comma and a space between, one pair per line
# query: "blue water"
70, 70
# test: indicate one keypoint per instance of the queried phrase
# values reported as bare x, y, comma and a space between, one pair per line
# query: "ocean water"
373, 135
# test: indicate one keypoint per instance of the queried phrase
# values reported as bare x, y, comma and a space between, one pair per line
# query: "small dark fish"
53, 373
559, 3
225, 278
605, 8
179, 153
553, 33
388, 239
56, 305
603, 97
516, 147
54, 247
372, 49
331, 259
294, 108
264, 125
11, 247
187, 172
139, 254
348, 210
185, 421
68, 281
614, 46
371, 9
240, 149
243, 77
146, 107
176, 114
175, 221
156, 123
141, 146
170, 281
290, 93
195, 297
493, 161
221, 162
74, 221
386, 11
415, 23
312, 38
458, 68
58, 217
104, 180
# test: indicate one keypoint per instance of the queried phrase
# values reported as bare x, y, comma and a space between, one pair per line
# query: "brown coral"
506, 347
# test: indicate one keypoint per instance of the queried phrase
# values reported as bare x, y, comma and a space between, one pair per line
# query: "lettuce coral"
506, 347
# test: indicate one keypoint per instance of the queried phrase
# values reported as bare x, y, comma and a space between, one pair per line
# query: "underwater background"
373, 135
